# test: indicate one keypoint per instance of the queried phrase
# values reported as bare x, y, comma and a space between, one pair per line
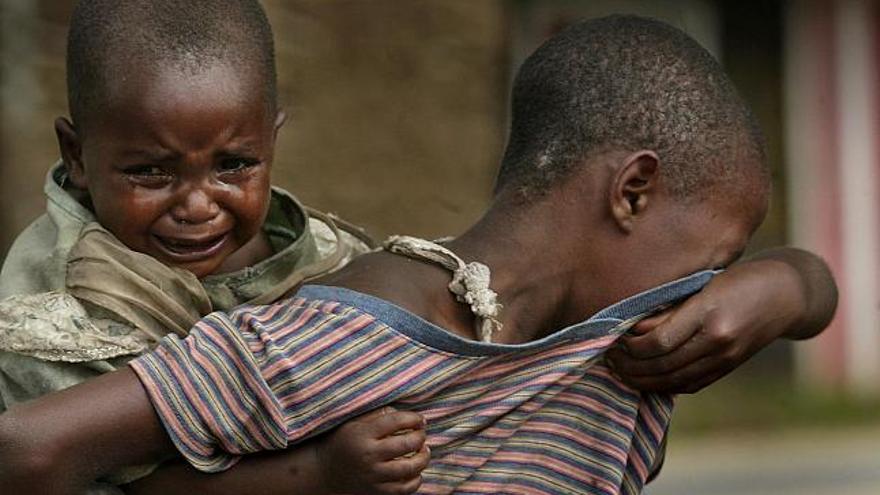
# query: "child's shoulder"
29, 266
36, 262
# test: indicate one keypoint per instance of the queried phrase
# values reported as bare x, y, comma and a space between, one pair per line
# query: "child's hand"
382, 452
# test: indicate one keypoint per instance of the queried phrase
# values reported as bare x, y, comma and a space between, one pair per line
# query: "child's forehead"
182, 77
144, 89
183, 112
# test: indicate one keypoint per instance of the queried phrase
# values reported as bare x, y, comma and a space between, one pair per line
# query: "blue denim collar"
601, 324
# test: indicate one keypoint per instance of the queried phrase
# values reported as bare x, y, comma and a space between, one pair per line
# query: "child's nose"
196, 206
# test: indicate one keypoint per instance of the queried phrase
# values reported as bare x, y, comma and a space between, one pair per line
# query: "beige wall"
396, 107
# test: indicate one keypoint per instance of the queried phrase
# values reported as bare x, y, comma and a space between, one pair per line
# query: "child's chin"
200, 269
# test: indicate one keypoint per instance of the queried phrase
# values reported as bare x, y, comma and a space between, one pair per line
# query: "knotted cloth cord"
470, 281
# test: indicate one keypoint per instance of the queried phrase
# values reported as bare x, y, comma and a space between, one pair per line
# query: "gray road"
812, 462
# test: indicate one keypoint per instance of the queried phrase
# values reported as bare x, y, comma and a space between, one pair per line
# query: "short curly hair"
108, 37
629, 83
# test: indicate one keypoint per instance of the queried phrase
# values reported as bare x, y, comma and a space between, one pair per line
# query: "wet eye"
147, 175
145, 170
236, 165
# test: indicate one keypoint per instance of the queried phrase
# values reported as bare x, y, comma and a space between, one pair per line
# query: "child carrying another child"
162, 210
632, 162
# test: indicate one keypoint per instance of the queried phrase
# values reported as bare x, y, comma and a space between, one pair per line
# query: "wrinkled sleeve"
209, 392
259, 378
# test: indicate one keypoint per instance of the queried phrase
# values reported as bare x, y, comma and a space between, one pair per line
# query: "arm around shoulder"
777, 293
813, 281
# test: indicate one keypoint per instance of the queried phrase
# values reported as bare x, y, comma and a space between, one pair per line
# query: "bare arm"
60, 443
816, 283
779, 293
367, 455
260, 474
63, 441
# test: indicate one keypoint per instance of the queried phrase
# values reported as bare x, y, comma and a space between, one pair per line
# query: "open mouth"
184, 249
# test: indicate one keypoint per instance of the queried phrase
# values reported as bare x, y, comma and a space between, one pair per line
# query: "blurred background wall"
397, 120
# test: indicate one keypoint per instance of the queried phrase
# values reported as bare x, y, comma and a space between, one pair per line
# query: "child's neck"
253, 252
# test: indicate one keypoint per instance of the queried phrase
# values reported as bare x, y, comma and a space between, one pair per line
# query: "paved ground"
814, 462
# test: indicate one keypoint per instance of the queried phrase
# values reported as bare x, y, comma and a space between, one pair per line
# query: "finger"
688, 387
679, 326
376, 413
683, 380
702, 383
395, 421
394, 446
404, 468
689, 352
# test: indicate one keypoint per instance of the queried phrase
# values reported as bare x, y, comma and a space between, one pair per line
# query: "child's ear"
280, 119
632, 186
70, 145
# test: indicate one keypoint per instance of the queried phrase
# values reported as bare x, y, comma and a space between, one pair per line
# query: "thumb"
648, 324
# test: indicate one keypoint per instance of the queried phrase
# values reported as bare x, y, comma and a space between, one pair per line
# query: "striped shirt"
541, 417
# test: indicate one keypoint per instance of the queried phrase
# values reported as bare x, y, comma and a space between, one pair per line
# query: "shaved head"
111, 39
630, 83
